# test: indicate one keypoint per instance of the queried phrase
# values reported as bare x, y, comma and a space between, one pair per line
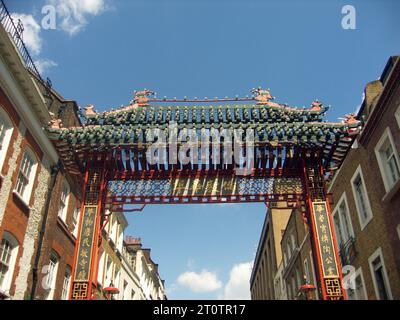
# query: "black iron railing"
15, 31
347, 251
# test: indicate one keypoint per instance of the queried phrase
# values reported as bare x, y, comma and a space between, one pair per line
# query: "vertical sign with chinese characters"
85, 257
320, 222
326, 250
85, 246
325, 240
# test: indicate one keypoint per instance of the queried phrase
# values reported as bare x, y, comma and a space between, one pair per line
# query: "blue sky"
298, 49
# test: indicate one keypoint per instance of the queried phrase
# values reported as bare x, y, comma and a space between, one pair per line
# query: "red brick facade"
58, 235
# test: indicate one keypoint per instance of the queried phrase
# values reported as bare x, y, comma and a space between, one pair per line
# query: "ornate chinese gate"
290, 152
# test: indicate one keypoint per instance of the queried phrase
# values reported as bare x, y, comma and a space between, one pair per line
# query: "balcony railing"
15, 32
347, 251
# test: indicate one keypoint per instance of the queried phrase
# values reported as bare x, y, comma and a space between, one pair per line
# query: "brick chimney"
372, 91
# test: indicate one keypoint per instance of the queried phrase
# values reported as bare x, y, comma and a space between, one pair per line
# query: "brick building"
366, 194
365, 210
38, 200
269, 254
284, 259
152, 287
297, 263
110, 263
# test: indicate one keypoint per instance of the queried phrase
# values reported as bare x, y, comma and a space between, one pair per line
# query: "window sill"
24, 206
391, 193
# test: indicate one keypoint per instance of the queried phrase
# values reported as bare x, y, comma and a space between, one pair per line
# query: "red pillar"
84, 269
323, 240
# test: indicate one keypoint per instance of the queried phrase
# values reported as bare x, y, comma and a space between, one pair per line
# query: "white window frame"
363, 223
66, 284
387, 135
360, 274
27, 192
51, 277
6, 285
75, 221
336, 211
371, 259
8, 125
64, 201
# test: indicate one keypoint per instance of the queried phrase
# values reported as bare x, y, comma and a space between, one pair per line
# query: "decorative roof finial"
142, 97
261, 95
316, 105
89, 111
350, 118
55, 124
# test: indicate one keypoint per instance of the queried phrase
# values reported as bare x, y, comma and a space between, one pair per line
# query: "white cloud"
31, 33
74, 13
238, 286
205, 281
43, 65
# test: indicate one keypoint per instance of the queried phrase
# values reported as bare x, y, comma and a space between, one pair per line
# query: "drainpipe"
54, 170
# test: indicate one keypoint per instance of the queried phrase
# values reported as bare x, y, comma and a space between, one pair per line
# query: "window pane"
338, 228
393, 169
359, 187
360, 288
345, 221
379, 278
5, 252
24, 175
3, 272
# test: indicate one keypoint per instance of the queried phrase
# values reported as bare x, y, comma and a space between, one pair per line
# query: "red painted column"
84, 270
322, 235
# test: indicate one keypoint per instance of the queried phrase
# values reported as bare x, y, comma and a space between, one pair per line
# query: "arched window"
8, 256
26, 175
6, 129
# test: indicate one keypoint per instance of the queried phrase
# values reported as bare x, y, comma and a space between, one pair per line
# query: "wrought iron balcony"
347, 251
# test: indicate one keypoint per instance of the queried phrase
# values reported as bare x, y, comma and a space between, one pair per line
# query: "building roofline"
260, 246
